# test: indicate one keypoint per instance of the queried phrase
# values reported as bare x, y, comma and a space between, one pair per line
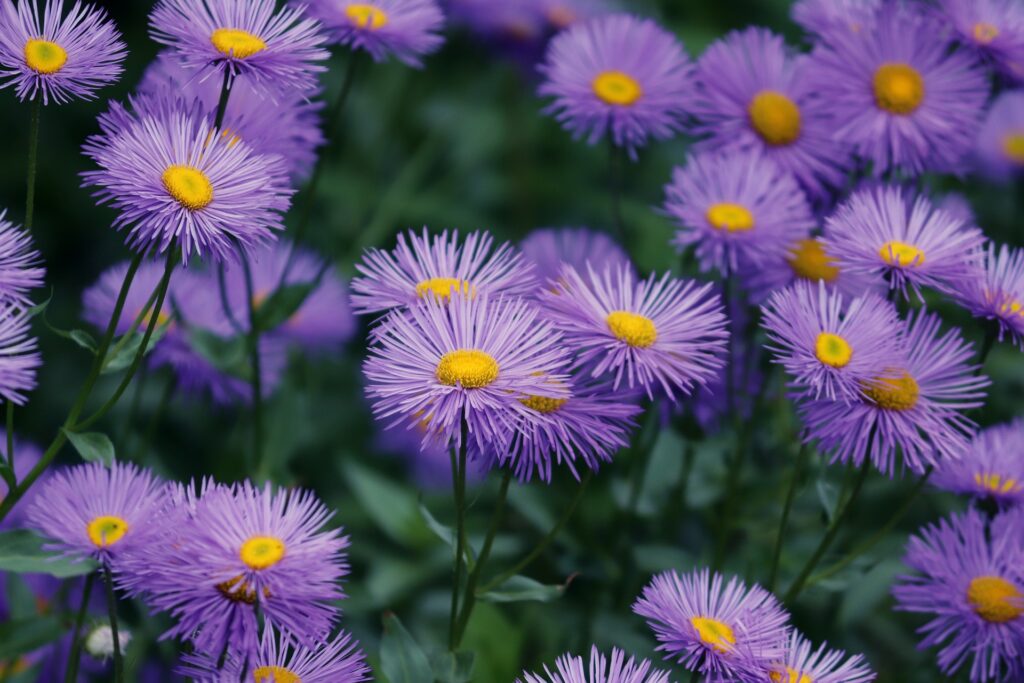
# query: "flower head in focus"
804, 664
19, 357
571, 668
995, 292
21, 267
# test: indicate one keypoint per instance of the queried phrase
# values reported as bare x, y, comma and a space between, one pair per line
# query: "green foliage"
21, 552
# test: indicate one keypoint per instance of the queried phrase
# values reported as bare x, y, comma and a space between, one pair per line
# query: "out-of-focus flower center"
363, 15
996, 483
893, 393
44, 56
106, 530
471, 368
775, 117
715, 633
234, 42
634, 329
274, 674
984, 32
260, 552
561, 16
899, 88
790, 675
995, 599
441, 287
730, 217
810, 262
1013, 147
833, 350
615, 87
900, 253
188, 186
237, 590
543, 404
226, 134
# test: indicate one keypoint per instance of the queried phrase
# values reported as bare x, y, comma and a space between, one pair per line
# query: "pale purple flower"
821, 16
19, 357
571, 668
992, 29
1000, 147
21, 266
404, 29
995, 292
992, 467
549, 248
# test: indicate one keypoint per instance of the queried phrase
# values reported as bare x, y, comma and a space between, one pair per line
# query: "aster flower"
821, 16
753, 94
19, 358
879, 231
957, 206
469, 358
617, 76
900, 96
559, 15
405, 29
992, 29
571, 668
738, 209
912, 410
806, 261
659, 333
172, 177
995, 292
21, 267
56, 56
720, 629
548, 248
100, 299
421, 268
974, 590
992, 467
276, 51
804, 664
1000, 148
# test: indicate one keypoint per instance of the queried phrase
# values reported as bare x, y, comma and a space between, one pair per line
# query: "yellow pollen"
994, 599
543, 404
790, 675
234, 42
471, 368
730, 217
1012, 307
985, 32
833, 350
615, 87
900, 253
634, 329
441, 287
810, 262
260, 552
189, 186
775, 117
44, 57
363, 15
893, 393
996, 483
238, 590
274, 674
899, 88
1013, 147
715, 633
106, 530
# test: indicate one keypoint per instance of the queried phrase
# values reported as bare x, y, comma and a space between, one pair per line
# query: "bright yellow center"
1012, 307
274, 674
260, 552
634, 329
106, 530
985, 32
775, 117
893, 393
715, 633
189, 186
997, 483
833, 350
543, 404
1013, 147
366, 16
994, 599
441, 287
234, 42
44, 57
899, 88
471, 368
810, 262
615, 87
730, 217
901, 254
790, 675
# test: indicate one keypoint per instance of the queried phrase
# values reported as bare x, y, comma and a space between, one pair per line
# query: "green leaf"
452, 667
92, 446
22, 552
442, 531
394, 509
80, 337
282, 305
226, 354
401, 658
525, 589
24, 635
126, 354
40, 307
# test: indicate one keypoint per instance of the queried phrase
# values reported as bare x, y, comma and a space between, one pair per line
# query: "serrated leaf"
524, 589
227, 354
282, 305
452, 667
24, 635
401, 658
22, 552
92, 446
120, 360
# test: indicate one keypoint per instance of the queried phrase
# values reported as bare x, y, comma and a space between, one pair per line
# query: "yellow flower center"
775, 117
274, 674
715, 633
899, 88
44, 56
634, 329
997, 483
893, 393
985, 32
901, 254
730, 217
471, 368
994, 599
1013, 147
1012, 307
106, 530
543, 404
234, 42
790, 675
441, 287
833, 350
615, 87
810, 262
260, 552
189, 186
363, 15
237, 590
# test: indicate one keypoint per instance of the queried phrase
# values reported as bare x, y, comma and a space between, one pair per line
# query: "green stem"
794, 484
616, 164
253, 342
986, 346
139, 317
10, 435
112, 611
154, 421
225, 305
222, 102
71, 673
33, 161
459, 485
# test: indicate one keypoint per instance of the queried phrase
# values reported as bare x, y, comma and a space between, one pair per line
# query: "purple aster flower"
467, 359
991, 468
716, 628
753, 94
957, 206
738, 209
829, 345
547, 249
559, 15
505, 24
58, 56
656, 333
879, 231
1000, 149
571, 668
900, 96
276, 51
19, 358
405, 29
974, 590
422, 268
21, 267
102, 512
100, 299
823, 16
913, 410
995, 292
992, 29
617, 76
804, 664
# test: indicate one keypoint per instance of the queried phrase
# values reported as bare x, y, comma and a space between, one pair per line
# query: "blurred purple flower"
991, 468
548, 248
1000, 149
404, 29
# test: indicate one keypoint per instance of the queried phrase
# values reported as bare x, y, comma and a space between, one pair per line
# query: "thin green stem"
33, 161
112, 612
991, 333
459, 485
794, 484
71, 673
253, 342
139, 317
222, 102
225, 305
10, 435
616, 171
